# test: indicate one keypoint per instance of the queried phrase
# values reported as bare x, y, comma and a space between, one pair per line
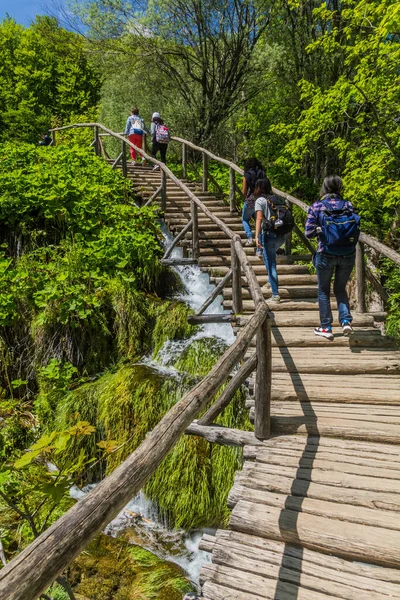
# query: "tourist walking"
267, 240
337, 226
159, 138
253, 170
135, 130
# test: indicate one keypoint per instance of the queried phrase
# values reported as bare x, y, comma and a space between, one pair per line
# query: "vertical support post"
96, 140
237, 302
360, 278
205, 172
288, 243
262, 398
232, 190
163, 191
123, 160
54, 138
184, 161
195, 229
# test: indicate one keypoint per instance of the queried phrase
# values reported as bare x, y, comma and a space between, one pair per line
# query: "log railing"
363, 271
31, 572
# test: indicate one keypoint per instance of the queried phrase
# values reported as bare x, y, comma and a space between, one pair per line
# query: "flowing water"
140, 519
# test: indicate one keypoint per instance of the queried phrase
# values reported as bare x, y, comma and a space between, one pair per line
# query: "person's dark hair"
158, 121
263, 188
252, 163
332, 185
135, 111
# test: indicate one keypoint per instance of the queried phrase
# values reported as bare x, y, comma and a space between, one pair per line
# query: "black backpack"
281, 221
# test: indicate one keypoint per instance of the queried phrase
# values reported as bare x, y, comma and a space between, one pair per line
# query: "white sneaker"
325, 332
347, 328
133, 163
249, 242
156, 167
275, 299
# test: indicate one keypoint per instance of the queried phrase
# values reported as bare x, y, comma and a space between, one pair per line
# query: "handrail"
365, 238
36, 567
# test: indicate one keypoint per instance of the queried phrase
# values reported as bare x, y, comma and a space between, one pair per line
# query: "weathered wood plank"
349, 540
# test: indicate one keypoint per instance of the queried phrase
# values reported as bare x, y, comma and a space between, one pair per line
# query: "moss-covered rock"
112, 569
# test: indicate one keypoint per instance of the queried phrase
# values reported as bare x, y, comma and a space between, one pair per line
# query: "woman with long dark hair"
270, 241
253, 170
335, 262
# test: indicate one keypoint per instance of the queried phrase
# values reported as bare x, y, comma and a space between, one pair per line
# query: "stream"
140, 519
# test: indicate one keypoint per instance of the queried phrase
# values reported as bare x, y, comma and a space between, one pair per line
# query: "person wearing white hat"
159, 137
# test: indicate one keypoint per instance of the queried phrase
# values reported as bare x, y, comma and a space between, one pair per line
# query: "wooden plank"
257, 562
261, 587
222, 435
349, 540
262, 399
298, 487
332, 478
341, 512
316, 441
311, 558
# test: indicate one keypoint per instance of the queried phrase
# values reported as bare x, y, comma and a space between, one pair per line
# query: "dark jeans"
156, 146
341, 266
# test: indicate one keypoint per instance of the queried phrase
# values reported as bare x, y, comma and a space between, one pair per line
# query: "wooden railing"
363, 270
36, 567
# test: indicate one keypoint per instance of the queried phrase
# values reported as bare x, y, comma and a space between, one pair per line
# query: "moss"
171, 324
112, 569
192, 483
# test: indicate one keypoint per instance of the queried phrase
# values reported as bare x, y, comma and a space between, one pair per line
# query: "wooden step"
287, 337
300, 318
259, 269
286, 293
215, 261
295, 279
277, 570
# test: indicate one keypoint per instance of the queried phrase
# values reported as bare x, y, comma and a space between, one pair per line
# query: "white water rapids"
140, 514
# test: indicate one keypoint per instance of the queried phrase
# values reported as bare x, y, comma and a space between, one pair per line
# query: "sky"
24, 11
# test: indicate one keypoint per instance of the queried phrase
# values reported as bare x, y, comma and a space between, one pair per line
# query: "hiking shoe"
325, 332
275, 298
347, 328
156, 167
249, 242
259, 253
133, 163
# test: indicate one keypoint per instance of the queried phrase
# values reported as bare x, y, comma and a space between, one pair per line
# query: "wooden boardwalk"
316, 507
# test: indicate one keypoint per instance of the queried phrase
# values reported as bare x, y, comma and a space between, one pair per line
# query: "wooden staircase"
324, 491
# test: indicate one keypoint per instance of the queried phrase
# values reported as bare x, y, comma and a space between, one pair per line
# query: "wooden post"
163, 191
123, 160
96, 140
184, 161
205, 172
288, 243
195, 229
54, 138
360, 278
262, 398
237, 302
232, 184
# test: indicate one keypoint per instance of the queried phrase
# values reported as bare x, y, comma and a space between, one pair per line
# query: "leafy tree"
45, 78
203, 48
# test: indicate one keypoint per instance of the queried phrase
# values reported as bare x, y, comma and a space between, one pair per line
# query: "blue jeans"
326, 265
270, 243
247, 214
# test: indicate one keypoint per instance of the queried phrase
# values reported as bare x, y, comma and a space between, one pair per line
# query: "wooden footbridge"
316, 507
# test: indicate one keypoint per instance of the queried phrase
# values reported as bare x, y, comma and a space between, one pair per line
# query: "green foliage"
78, 256
45, 78
171, 324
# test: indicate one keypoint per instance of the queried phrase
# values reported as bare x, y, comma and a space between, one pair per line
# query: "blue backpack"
340, 229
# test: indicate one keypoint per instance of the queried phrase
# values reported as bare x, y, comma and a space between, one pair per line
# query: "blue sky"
24, 11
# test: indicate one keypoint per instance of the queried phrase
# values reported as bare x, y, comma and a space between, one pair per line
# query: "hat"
156, 115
